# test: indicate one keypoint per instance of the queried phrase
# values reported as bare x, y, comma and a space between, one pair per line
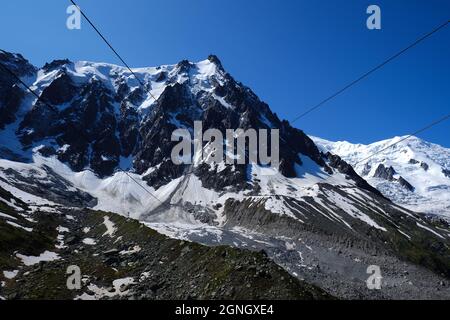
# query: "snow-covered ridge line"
424, 165
200, 74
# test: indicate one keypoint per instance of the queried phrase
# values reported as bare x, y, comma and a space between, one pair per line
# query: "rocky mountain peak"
100, 120
214, 59
99, 114
55, 64
11, 93
16, 63
418, 166
386, 173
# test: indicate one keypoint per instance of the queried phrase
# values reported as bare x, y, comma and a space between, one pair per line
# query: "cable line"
52, 107
436, 122
365, 75
113, 50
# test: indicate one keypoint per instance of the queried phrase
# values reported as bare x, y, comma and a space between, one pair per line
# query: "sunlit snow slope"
102, 141
424, 165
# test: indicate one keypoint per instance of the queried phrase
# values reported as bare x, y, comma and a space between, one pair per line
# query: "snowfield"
422, 164
106, 147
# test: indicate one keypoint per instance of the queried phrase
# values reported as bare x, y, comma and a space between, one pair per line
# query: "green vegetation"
174, 269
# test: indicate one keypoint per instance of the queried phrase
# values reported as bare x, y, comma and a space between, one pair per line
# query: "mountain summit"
419, 178
97, 139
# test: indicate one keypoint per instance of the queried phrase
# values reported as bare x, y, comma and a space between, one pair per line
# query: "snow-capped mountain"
96, 139
414, 173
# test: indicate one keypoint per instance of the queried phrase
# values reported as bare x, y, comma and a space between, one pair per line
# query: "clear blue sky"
291, 53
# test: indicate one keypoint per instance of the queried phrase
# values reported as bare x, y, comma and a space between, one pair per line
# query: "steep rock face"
83, 126
229, 105
95, 115
388, 174
11, 95
344, 168
446, 172
61, 90
385, 173
405, 184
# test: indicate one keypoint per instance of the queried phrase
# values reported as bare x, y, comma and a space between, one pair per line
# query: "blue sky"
291, 53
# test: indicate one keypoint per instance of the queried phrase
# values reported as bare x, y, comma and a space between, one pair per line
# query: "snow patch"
120, 288
89, 241
10, 274
110, 227
46, 256
15, 225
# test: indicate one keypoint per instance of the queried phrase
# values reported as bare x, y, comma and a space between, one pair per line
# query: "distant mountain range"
95, 139
414, 173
